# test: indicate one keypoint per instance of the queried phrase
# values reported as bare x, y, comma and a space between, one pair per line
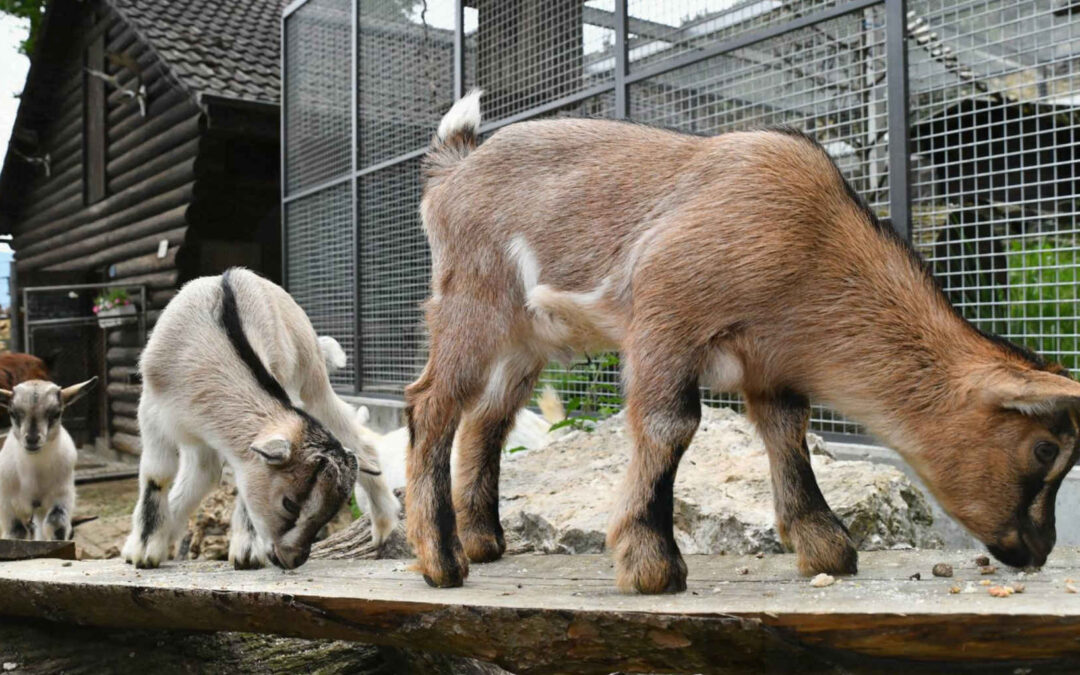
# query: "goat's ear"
5, 398
1032, 392
366, 463
69, 395
274, 450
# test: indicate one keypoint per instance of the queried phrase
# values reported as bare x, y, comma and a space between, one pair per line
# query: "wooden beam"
126, 443
153, 126
144, 264
94, 134
544, 614
162, 161
123, 356
154, 145
127, 425
21, 549
161, 279
151, 186
29, 246
112, 245
124, 407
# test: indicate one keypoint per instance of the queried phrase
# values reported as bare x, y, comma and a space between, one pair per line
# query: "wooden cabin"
145, 152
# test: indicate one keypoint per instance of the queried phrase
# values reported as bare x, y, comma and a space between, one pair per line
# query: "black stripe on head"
234, 329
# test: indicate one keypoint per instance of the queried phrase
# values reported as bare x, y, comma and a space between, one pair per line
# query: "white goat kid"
225, 373
37, 462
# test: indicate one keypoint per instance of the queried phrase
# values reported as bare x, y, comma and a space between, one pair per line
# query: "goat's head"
36, 407
296, 480
997, 461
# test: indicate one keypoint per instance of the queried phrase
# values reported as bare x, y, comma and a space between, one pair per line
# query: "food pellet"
982, 561
987, 569
742, 570
1000, 591
942, 570
915, 577
1019, 588
954, 589
822, 580
1069, 588
985, 582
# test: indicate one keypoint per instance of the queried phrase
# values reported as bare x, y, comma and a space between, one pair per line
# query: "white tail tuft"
332, 353
465, 114
551, 406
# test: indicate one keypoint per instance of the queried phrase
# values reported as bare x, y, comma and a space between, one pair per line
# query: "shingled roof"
226, 48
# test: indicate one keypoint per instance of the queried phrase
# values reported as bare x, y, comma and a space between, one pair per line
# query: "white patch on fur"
528, 268
465, 114
723, 372
332, 352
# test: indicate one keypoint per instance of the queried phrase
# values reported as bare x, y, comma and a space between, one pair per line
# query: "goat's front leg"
57, 525
246, 551
803, 518
151, 528
15, 528
663, 412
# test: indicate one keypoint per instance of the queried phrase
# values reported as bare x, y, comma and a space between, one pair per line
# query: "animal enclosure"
956, 120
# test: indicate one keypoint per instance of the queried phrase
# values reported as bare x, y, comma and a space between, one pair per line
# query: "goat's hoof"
823, 545
247, 563
646, 570
482, 547
449, 571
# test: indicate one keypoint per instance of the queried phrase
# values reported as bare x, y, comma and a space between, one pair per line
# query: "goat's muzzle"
1026, 546
288, 558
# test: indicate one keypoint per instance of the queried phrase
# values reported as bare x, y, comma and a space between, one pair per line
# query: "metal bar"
413, 154
459, 49
284, 140
358, 355
26, 324
551, 106
750, 39
622, 60
307, 192
289, 9
896, 74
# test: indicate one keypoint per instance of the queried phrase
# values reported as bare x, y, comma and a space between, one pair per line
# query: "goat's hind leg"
803, 518
480, 443
663, 412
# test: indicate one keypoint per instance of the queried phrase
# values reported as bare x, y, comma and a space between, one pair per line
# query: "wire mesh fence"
992, 125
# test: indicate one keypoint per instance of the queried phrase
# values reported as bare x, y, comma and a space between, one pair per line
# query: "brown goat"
741, 262
16, 367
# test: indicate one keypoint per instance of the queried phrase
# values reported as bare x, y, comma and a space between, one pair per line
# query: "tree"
33, 10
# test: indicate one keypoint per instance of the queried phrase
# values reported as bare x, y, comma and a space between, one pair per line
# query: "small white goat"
228, 366
37, 462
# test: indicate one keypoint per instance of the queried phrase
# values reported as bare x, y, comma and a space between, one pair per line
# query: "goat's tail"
332, 353
551, 406
455, 137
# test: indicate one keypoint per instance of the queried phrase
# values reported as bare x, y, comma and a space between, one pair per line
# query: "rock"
942, 570
559, 499
822, 580
982, 561
208, 528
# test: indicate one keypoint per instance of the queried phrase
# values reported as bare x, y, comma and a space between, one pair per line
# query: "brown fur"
740, 262
16, 368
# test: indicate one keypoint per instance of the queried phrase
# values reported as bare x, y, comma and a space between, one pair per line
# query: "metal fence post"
459, 49
622, 40
899, 141
354, 113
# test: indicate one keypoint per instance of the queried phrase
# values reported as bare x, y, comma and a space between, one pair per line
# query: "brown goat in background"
741, 262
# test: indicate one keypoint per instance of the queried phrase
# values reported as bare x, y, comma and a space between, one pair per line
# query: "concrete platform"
561, 613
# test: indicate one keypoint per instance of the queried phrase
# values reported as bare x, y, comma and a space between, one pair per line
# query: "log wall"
204, 180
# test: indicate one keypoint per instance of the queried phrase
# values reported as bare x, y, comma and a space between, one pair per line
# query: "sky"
13, 67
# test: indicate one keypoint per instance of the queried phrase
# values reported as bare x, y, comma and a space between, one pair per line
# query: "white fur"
333, 353
531, 431
723, 372
46, 477
201, 406
465, 114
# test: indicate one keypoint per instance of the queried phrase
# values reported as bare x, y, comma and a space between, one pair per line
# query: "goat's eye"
1046, 452
290, 506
